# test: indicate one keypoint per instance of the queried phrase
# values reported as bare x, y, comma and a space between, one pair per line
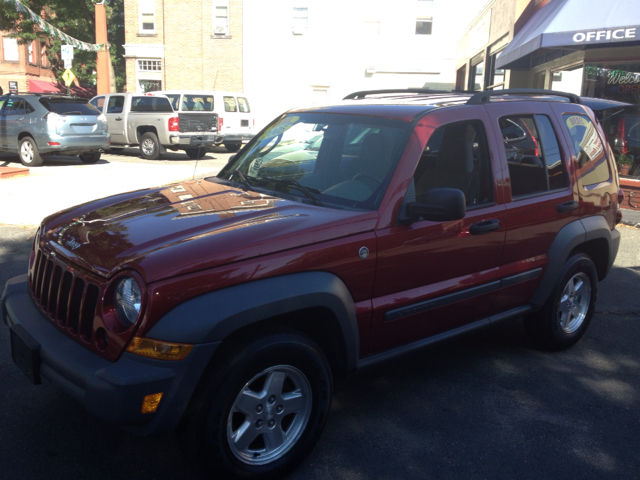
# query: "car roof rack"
363, 93
38, 94
485, 97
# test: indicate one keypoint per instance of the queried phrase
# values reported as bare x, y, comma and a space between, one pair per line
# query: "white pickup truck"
150, 123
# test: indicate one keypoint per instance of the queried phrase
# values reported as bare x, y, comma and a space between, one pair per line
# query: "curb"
6, 172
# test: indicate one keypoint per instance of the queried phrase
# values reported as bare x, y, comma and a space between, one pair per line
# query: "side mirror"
439, 205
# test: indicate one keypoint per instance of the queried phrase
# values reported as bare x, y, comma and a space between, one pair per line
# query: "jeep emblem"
363, 252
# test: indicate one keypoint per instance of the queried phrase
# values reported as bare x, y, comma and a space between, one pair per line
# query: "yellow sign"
68, 77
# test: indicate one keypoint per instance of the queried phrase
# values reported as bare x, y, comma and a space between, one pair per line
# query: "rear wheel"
566, 315
149, 146
196, 153
29, 153
90, 157
261, 411
233, 147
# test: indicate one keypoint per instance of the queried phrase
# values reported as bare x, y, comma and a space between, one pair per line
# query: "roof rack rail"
38, 94
363, 93
485, 97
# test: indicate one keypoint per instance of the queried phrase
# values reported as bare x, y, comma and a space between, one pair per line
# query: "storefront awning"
41, 86
574, 25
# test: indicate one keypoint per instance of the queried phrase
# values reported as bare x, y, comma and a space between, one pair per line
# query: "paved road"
483, 407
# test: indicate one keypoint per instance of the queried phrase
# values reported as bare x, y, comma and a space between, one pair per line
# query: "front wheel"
566, 315
196, 153
90, 157
29, 154
149, 146
261, 411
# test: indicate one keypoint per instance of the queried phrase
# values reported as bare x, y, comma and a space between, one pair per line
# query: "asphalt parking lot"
486, 406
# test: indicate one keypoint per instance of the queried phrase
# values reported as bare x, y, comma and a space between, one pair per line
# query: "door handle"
567, 206
484, 226
118, 118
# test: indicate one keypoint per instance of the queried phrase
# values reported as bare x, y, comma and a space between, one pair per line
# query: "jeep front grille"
64, 296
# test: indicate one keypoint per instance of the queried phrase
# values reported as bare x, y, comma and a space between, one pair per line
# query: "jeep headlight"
128, 298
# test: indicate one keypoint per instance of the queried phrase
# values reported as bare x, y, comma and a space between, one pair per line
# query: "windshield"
332, 160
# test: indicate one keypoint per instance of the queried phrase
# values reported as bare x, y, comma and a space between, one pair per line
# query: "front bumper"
196, 139
74, 144
111, 391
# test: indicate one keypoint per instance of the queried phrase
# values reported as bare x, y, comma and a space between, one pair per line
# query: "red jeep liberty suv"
339, 237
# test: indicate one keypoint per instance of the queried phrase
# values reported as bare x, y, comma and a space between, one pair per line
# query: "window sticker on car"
280, 128
591, 144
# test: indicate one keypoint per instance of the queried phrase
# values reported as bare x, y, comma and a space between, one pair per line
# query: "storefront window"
569, 81
475, 77
614, 82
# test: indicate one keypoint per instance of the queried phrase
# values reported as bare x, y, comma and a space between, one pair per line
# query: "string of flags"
54, 32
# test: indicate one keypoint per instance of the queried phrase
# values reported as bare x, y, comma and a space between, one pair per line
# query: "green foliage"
77, 19
624, 160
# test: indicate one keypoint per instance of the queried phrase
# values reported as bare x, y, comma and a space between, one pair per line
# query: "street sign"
67, 63
68, 77
13, 87
66, 52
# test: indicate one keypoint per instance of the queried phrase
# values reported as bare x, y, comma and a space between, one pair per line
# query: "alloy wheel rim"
574, 303
26, 152
147, 147
269, 415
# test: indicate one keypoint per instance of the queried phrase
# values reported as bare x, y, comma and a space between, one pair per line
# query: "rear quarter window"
589, 150
69, 106
243, 104
150, 104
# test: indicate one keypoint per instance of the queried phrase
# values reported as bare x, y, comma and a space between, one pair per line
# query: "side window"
230, 104
98, 102
116, 104
175, 101
28, 108
456, 156
14, 107
533, 155
588, 148
243, 103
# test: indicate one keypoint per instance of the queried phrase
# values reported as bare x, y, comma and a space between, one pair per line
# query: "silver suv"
33, 125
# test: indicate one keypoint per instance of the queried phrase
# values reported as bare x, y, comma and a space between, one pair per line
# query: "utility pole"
103, 61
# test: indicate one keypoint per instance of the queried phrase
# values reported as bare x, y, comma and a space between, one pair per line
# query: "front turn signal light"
147, 347
150, 402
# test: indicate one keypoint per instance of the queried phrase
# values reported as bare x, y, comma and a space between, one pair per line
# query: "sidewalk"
26, 200
631, 217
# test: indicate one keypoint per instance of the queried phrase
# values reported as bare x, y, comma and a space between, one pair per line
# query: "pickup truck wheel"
29, 154
90, 157
196, 153
149, 146
261, 411
566, 315
232, 147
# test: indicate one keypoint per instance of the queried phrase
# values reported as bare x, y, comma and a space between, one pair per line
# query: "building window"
319, 95
10, 49
220, 17
149, 75
300, 20
475, 77
150, 65
424, 17
147, 16
496, 75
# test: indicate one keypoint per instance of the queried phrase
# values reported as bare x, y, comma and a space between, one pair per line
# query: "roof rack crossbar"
363, 93
485, 97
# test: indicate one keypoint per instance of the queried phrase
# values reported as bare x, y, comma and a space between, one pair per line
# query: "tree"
76, 18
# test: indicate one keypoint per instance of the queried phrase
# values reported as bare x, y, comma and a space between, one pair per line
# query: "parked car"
150, 123
36, 125
236, 122
224, 307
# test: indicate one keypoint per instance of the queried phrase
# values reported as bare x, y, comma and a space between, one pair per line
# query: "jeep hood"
190, 226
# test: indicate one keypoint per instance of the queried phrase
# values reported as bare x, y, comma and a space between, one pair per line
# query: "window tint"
533, 155
15, 106
588, 148
98, 102
150, 104
116, 104
175, 101
68, 106
243, 103
456, 156
230, 104
197, 103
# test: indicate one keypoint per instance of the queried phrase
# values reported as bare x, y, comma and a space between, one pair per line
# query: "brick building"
186, 44
20, 64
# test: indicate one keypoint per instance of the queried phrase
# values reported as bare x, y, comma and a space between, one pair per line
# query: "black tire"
295, 363
232, 147
90, 157
196, 153
149, 146
29, 153
564, 318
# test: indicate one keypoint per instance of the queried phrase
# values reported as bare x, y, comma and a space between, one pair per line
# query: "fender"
568, 238
212, 317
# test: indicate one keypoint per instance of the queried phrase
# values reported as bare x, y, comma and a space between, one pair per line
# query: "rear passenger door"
541, 199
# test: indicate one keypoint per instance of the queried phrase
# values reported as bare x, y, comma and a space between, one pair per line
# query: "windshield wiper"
308, 191
243, 179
